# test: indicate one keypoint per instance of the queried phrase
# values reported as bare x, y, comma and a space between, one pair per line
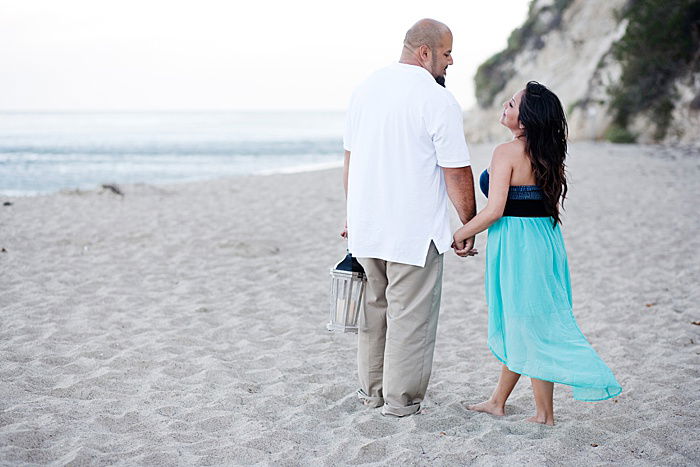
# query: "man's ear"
424, 52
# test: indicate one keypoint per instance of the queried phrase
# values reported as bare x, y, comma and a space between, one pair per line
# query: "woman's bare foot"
488, 407
541, 420
543, 392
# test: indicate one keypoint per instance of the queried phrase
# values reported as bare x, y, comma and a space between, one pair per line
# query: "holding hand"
463, 246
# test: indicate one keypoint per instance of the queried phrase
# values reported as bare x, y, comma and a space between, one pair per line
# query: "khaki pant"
396, 332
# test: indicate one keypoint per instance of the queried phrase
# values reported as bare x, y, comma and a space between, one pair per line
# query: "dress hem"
553, 381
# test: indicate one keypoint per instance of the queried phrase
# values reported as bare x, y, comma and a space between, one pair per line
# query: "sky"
225, 55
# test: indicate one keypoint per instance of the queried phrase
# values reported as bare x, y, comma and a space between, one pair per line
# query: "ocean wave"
252, 148
48, 152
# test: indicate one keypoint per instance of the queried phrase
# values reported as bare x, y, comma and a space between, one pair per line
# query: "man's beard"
440, 79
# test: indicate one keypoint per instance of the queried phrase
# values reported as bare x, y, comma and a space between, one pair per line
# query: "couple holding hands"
405, 157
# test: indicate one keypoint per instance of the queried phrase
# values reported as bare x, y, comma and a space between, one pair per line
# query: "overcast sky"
215, 54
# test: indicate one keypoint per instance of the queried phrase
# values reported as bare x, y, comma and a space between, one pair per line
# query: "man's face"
442, 57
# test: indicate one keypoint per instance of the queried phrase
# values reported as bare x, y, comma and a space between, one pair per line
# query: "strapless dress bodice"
523, 200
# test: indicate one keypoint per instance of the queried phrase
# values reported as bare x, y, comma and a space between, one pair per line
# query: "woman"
532, 330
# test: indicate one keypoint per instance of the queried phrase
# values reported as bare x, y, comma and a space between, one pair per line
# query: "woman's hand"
463, 246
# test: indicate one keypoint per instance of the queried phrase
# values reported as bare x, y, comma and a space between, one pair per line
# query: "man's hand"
464, 247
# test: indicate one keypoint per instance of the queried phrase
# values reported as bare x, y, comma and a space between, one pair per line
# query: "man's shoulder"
377, 79
437, 98
438, 104
425, 93
385, 72
447, 95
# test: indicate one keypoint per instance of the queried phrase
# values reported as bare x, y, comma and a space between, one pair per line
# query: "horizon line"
18, 111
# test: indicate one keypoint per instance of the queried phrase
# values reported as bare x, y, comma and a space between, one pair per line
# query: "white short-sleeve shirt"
401, 128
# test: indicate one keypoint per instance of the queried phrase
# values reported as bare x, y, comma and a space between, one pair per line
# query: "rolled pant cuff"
400, 411
370, 401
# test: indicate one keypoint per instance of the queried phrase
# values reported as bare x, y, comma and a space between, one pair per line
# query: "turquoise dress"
532, 329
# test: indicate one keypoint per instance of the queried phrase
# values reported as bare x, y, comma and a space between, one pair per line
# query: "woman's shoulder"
510, 151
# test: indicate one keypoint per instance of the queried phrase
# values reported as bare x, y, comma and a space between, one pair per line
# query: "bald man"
405, 156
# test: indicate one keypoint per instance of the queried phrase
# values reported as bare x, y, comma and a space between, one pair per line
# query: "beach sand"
185, 325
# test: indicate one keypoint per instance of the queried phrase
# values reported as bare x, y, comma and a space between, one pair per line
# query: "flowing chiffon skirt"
532, 329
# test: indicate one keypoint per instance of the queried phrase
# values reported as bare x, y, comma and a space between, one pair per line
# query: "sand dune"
185, 324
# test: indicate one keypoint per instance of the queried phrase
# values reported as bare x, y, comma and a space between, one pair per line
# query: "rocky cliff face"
569, 46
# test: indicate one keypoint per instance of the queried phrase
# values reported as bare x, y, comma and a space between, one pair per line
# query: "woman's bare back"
522, 167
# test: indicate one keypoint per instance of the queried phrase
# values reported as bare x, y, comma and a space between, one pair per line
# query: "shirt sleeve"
347, 135
446, 128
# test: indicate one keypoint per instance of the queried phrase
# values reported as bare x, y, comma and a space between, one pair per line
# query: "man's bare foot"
488, 407
541, 420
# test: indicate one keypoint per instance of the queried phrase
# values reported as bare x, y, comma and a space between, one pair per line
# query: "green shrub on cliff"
617, 134
492, 76
660, 44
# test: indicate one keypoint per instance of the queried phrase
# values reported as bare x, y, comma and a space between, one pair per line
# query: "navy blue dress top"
523, 200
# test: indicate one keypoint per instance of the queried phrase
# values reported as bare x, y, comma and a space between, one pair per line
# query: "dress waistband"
525, 208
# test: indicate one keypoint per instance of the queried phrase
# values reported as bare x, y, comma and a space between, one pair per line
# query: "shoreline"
661, 150
97, 188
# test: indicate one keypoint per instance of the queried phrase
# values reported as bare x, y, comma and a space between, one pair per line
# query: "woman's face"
510, 118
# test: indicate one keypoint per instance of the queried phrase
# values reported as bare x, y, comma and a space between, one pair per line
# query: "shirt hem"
398, 259
453, 165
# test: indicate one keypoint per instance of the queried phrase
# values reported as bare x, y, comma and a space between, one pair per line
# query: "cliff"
625, 70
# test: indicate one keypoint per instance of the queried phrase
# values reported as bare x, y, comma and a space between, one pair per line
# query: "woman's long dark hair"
546, 131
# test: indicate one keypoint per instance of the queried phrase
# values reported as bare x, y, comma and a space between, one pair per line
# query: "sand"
185, 325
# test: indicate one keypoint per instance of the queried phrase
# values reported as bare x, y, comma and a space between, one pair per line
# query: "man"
405, 154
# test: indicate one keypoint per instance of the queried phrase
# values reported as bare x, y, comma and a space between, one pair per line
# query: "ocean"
45, 152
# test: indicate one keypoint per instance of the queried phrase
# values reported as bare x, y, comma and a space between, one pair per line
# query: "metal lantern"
348, 282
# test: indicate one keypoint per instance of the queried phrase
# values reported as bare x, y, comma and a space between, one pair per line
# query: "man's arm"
460, 189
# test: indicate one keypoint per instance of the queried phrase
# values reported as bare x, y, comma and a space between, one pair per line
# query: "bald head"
426, 32
428, 44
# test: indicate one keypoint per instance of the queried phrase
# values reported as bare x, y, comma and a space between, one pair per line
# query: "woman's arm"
499, 183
